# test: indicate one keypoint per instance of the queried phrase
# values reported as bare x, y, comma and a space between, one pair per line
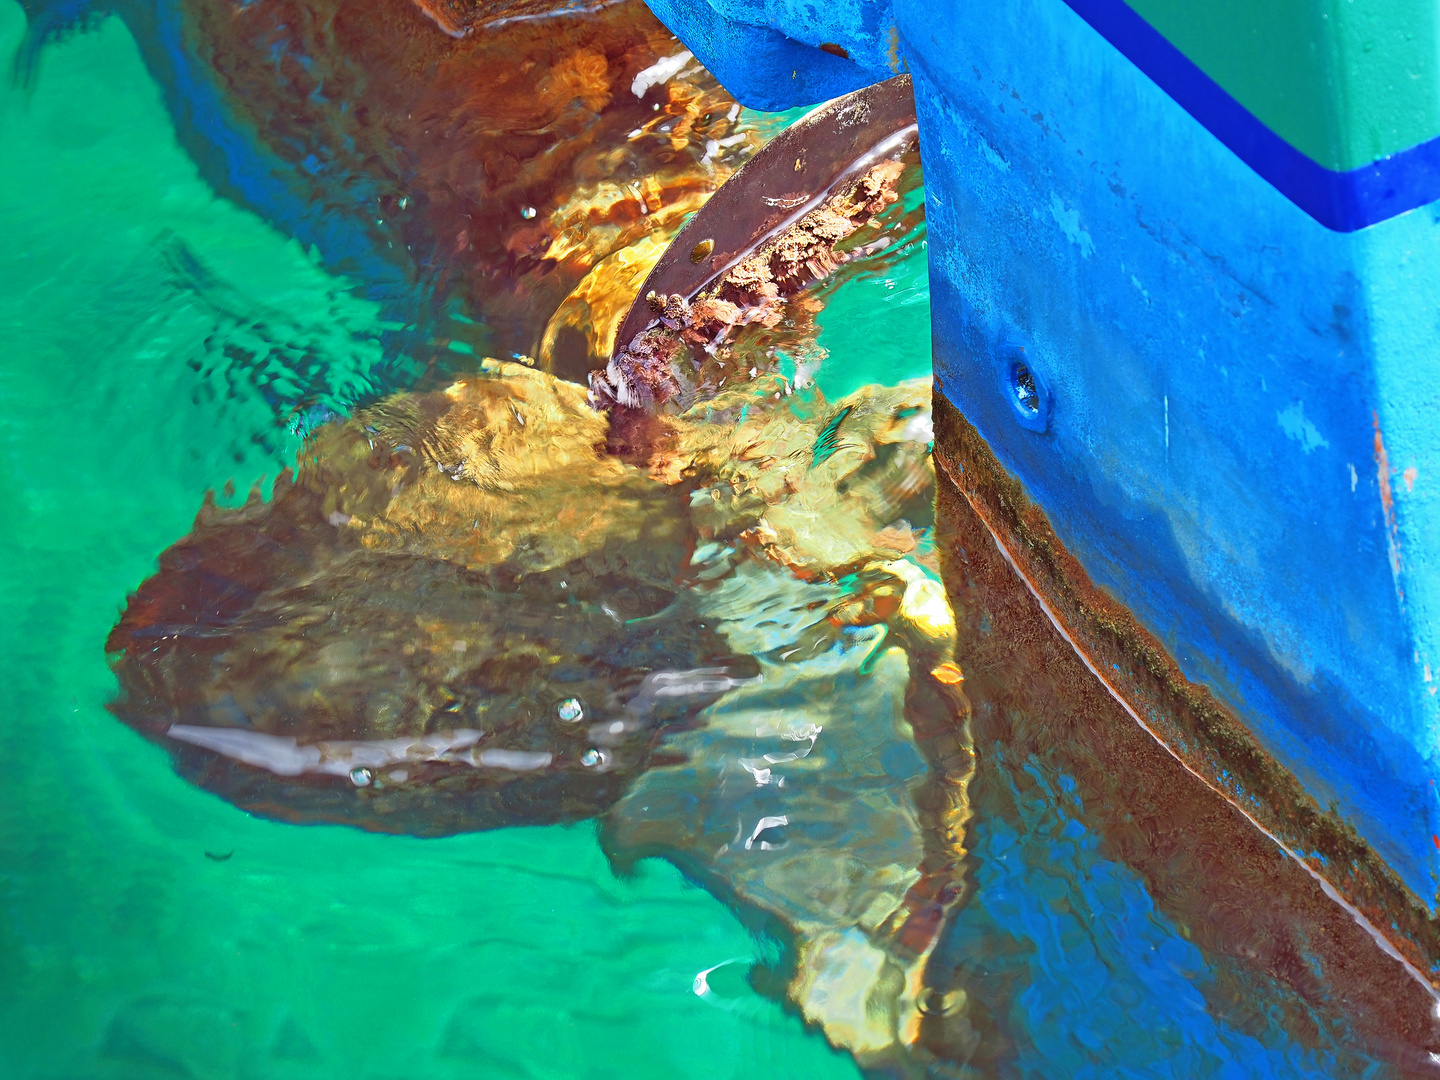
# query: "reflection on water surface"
464, 613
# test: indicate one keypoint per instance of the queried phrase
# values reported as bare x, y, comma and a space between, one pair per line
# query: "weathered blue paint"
1218, 370
775, 69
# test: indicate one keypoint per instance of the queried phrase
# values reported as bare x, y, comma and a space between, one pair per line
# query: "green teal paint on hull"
1345, 82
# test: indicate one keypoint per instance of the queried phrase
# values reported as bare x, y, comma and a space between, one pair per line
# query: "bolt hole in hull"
427, 741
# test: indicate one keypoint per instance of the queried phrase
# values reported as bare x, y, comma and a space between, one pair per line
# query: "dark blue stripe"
1343, 201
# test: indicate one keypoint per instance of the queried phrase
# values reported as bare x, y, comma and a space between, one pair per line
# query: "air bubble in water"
570, 710
360, 776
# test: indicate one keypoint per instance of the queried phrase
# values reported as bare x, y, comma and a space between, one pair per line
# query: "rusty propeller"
791, 176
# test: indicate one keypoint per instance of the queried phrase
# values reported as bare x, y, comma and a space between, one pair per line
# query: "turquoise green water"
876, 327
127, 291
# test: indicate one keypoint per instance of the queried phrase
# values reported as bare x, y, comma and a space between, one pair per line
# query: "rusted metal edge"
1203, 736
792, 175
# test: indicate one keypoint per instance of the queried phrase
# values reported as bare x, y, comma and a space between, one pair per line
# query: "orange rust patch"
1387, 504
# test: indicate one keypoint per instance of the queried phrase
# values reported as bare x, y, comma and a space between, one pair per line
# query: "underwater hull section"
1076, 707
1226, 409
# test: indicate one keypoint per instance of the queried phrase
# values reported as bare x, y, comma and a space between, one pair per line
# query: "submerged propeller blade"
791, 176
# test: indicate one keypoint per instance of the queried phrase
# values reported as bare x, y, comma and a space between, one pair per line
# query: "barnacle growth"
681, 358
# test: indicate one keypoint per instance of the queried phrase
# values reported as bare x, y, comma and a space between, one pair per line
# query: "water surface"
124, 950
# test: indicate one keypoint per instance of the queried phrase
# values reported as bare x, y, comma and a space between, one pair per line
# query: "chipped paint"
1069, 222
1296, 427
682, 356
